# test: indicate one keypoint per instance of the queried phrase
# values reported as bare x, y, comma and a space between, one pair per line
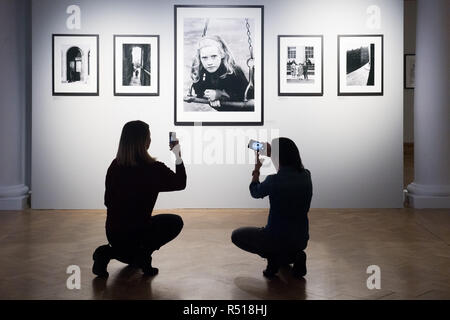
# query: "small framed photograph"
300, 65
136, 65
75, 65
218, 64
410, 71
360, 65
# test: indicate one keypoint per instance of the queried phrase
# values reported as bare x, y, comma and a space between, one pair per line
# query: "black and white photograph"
136, 65
360, 70
410, 71
218, 65
75, 64
300, 65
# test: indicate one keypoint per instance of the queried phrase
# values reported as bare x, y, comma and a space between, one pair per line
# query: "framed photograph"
75, 64
300, 65
218, 65
360, 65
136, 65
410, 71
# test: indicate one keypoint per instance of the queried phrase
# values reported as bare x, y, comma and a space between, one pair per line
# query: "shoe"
299, 269
150, 271
271, 269
101, 256
145, 265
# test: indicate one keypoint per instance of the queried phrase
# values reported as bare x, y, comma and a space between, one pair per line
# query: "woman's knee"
166, 220
236, 236
175, 223
179, 223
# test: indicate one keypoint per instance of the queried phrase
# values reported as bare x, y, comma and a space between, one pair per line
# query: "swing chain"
249, 36
205, 28
250, 62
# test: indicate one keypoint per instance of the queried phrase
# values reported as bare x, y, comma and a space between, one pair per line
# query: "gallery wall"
351, 144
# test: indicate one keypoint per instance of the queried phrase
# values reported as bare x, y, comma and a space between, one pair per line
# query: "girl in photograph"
215, 74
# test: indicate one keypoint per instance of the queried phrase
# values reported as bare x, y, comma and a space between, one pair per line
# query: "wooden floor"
412, 248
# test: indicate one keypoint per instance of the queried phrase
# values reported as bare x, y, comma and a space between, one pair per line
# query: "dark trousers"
260, 242
129, 247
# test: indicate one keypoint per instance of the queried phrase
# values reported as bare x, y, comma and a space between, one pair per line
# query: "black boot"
272, 268
147, 268
299, 269
102, 256
143, 260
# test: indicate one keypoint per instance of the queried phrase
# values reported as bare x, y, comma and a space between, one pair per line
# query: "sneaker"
101, 256
299, 269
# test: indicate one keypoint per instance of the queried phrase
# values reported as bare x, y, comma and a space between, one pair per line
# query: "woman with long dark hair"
284, 238
133, 182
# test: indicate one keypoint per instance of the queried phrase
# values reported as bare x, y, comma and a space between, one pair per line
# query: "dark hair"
228, 61
289, 156
133, 144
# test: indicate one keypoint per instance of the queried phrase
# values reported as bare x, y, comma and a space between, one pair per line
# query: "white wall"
352, 145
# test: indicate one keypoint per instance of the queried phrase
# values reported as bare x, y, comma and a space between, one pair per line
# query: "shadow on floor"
129, 283
283, 286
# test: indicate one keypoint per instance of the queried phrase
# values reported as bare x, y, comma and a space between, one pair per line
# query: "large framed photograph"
218, 65
75, 65
360, 65
136, 65
300, 65
410, 71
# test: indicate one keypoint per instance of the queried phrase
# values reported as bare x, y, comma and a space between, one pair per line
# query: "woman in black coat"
285, 237
133, 182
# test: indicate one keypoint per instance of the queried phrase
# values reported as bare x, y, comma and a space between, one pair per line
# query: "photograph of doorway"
136, 65
75, 64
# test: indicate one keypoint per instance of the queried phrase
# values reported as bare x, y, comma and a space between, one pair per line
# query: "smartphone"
261, 147
172, 137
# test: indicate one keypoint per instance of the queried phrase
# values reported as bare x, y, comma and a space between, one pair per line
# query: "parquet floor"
412, 248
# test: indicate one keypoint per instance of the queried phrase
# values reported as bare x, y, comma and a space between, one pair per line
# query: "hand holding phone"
173, 141
259, 147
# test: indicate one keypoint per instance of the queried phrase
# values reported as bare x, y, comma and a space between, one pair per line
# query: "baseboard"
14, 203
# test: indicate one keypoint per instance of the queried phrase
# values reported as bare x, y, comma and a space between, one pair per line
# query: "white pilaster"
13, 84
431, 186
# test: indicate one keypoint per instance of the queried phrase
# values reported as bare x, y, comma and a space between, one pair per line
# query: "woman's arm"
257, 189
172, 181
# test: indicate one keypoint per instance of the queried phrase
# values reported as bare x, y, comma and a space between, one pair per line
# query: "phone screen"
257, 146
172, 137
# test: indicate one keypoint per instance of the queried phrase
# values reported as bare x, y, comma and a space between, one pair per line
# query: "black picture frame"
290, 94
137, 36
260, 121
55, 91
406, 65
339, 85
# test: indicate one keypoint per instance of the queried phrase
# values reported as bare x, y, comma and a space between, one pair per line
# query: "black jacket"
131, 192
290, 194
233, 84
